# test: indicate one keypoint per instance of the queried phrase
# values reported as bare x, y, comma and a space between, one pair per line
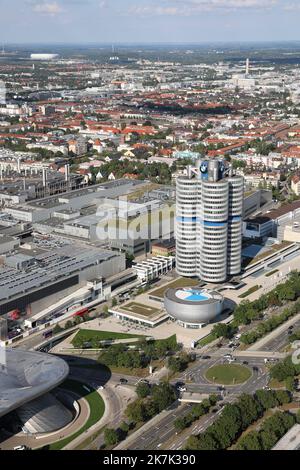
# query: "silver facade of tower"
209, 222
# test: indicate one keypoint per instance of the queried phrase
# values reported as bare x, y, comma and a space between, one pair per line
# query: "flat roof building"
290, 441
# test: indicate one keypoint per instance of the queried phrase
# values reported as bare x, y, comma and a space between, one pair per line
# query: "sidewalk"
96, 427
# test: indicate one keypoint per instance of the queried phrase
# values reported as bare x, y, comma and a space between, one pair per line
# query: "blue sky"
137, 21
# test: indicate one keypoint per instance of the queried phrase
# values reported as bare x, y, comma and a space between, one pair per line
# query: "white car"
228, 356
181, 389
20, 448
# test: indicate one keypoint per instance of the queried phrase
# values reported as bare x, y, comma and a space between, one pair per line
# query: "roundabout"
228, 374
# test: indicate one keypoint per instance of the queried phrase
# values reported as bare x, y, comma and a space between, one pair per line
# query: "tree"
111, 437
223, 330
57, 329
283, 396
207, 442
69, 325
250, 410
266, 398
180, 424
136, 411
250, 442
143, 390
178, 363
290, 384
163, 395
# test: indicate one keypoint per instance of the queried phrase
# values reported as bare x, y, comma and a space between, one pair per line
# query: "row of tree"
159, 398
152, 400
271, 431
236, 418
270, 325
248, 311
285, 369
119, 355
197, 411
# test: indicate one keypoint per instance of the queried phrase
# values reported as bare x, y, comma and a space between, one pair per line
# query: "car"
144, 381
20, 448
255, 369
228, 356
101, 387
246, 363
206, 357
180, 384
123, 381
221, 388
291, 327
181, 389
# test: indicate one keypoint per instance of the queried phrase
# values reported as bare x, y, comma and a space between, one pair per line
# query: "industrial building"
209, 213
23, 180
282, 223
39, 274
100, 213
193, 307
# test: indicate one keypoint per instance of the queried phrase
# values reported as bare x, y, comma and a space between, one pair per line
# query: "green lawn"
208, 339
96, 405
271, 273
249, 292
140, 309
85, 336
228, 374
181, 282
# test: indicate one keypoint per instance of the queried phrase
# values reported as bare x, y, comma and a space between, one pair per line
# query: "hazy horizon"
148, 21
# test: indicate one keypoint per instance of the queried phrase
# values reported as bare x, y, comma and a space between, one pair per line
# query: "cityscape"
149, 235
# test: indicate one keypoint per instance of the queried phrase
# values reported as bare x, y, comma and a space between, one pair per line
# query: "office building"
209, 211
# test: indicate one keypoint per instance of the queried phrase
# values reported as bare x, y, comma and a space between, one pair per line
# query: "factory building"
35, 276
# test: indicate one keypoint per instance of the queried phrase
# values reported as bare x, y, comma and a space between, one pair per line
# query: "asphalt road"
163, 432
280, 341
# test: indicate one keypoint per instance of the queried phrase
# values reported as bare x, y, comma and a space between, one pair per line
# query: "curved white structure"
193, 307
209, 222
26, 376
43, 56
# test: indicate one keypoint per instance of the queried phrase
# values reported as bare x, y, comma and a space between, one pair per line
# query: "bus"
48, 334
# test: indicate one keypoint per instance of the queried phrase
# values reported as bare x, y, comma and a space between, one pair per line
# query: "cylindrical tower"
235, 225
213, 214
186, 226
209, 222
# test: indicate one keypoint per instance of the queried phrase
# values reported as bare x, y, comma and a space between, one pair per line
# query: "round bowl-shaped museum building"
193, 307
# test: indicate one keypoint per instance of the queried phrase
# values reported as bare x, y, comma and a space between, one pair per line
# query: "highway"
279, 341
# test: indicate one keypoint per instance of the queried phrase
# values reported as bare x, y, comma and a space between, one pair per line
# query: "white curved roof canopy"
26, 375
